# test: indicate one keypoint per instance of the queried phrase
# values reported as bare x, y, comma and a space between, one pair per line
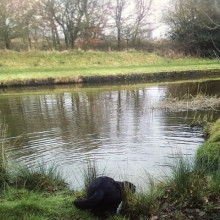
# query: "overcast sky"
159, 8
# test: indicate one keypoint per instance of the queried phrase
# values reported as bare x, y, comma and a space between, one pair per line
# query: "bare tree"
96, 17
47, 11
119, 21
8, 23
141, 23
26, 16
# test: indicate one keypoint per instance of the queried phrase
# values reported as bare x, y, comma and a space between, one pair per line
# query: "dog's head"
125, 185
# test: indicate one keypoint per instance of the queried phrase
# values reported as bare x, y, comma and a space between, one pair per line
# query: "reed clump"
190, 102
4, 171
90, 172
41, 177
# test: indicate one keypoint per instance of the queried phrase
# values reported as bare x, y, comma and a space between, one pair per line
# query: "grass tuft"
143, 204
40, 178
185, 184
90, 173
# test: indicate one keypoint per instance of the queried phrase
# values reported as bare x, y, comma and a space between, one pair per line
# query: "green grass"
145, 203
208, 154
24, 204
40, 65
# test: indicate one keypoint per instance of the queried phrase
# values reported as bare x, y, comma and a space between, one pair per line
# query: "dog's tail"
91, 202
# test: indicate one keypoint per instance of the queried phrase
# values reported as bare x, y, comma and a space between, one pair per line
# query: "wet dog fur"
104, 196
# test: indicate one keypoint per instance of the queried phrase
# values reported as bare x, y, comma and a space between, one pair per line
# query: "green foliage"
208, 155
195, 25
215, 132
206, 130
185, 184
214, 183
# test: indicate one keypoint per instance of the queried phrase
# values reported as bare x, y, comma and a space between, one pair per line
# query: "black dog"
104, 196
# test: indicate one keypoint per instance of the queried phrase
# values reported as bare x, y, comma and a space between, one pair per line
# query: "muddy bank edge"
118, 78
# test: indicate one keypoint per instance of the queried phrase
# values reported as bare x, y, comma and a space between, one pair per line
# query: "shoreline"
190, 192
119, 78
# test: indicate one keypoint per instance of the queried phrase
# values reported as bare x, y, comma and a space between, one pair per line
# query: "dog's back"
103, 196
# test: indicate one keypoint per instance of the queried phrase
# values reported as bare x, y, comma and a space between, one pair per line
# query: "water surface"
118, 127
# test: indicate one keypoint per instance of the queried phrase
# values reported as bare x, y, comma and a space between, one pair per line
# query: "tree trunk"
119, 39
66, 39
8, 45
7, 42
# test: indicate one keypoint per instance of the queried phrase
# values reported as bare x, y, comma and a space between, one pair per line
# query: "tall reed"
41, 177
3, 159
90, 173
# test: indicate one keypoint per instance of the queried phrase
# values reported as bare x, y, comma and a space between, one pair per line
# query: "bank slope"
37, 68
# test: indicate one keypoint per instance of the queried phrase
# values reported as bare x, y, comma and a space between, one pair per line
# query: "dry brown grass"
189, 102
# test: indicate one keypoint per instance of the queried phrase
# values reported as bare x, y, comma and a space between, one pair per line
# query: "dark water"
118, 127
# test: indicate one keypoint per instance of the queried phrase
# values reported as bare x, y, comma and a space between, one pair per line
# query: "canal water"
119, 127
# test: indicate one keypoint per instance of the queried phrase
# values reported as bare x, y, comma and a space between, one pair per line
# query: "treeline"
66, 24
194, 25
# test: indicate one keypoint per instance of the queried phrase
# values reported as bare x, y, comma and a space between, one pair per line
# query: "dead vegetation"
189, 102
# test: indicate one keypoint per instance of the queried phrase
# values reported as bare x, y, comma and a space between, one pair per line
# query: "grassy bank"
61, 66
191, 191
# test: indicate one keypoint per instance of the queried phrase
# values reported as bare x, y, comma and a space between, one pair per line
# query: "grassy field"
41, 65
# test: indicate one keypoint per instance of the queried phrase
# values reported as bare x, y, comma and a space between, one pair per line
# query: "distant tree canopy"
195, 24
66, 24
107, 24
